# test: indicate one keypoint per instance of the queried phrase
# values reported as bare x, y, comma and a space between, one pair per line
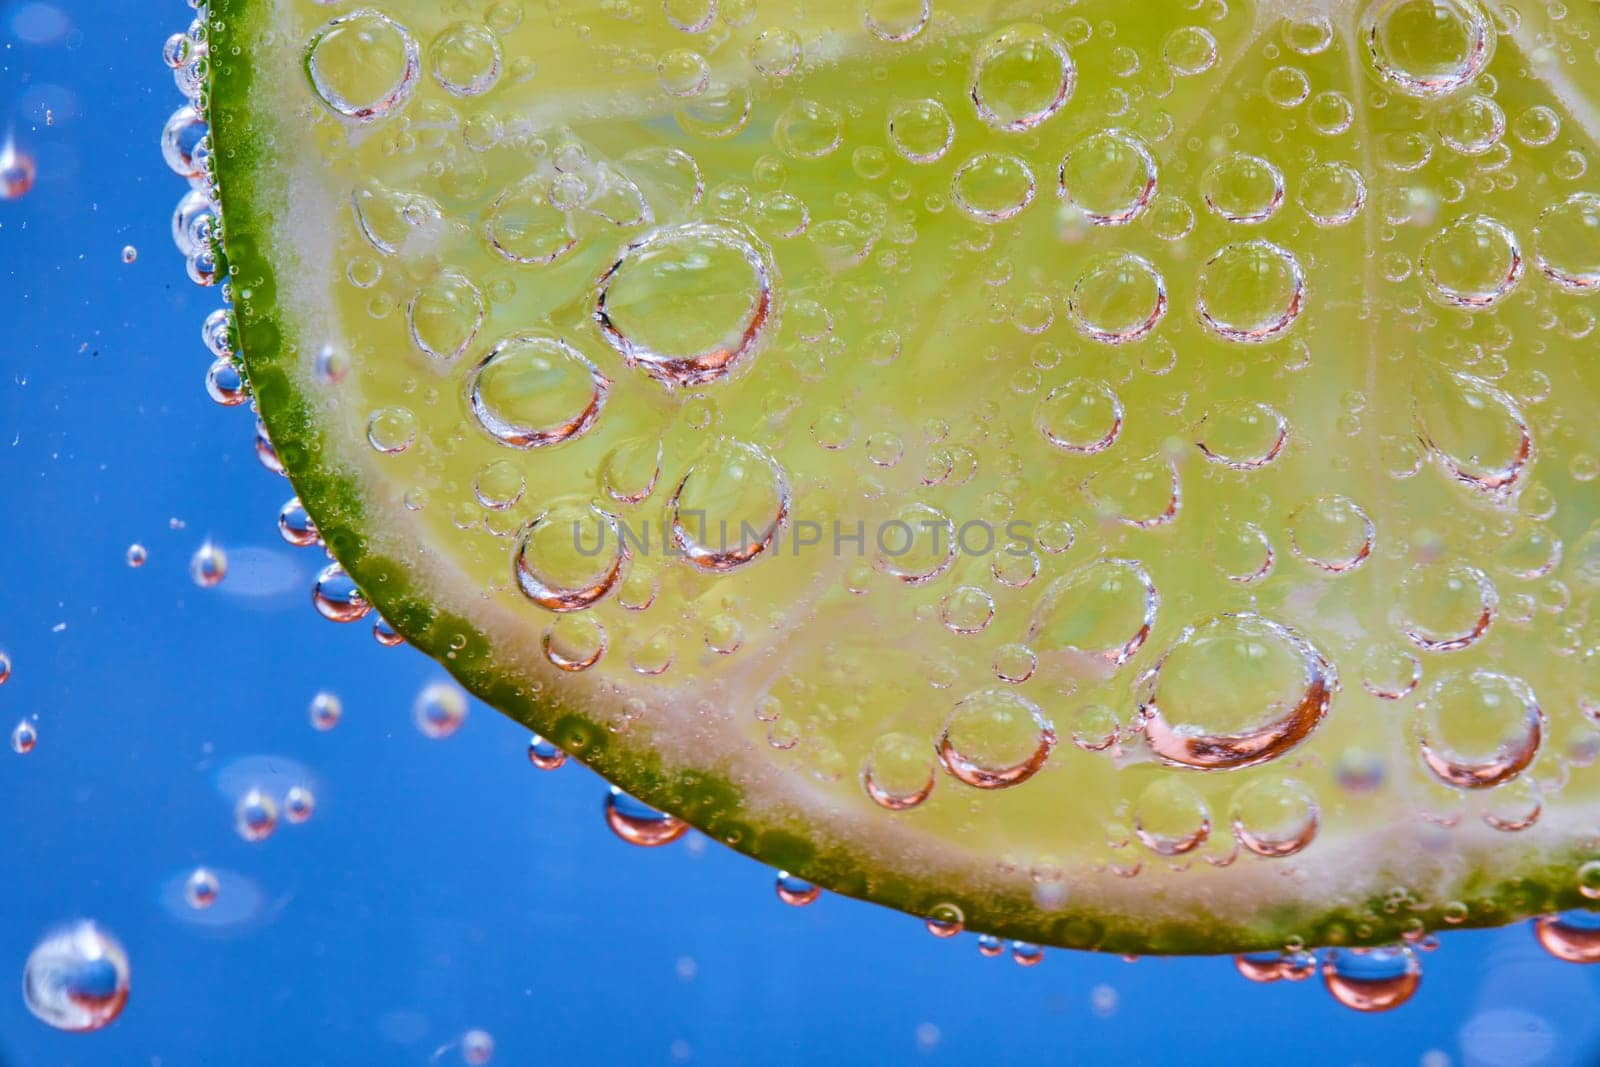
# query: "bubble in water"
898, 772
1234, 691
993, 186
639, 824
24, 736
325, 711
1474, 429
1251, 292
129, 253
1026, 953
683, 72
1332, 533
1473, 125
392, 430
1478, 728
1082, 416
630, 470
209, 565
995, 739
1427, 47
1275, 816
1372, 979
1473, 262
136, 555
498, 486
1287, 87
1566, 242
465, 59
966, 610
729, 506
533, 392
776, 52
299, 803
575, 642
200, 889
1118, 298
1170, 819
990, 946
182, 147
1572, 936
1390, 673
722, 112
1110, 176
1242, 552
796, 892
255, 816
1105, 609
477, 1047
690, 16
1243, 188
687, 303
1330, 113
946, 920
77, 978
809, 129
445, 314
524, 227
1537, 126
439, 710
1332, 193
336, 596
1021, 76
897, 21
1276, 966
544, 756
570, 557
1243, 435
921, 130
1190, 50
1444, 607
363, 64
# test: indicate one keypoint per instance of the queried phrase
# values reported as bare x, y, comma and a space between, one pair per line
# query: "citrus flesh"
1115, 479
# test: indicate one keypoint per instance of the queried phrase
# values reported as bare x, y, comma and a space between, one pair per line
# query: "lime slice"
1113, 476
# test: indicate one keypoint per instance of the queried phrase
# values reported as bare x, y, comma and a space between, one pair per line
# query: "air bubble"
995, 739
77, 978
1243, 188
1473, 262
1110, 176
1477, 729
1372, 979
1251, 292
921, 130
1021, 76
1082, 416
1332, 193
688, 303
729, 506
1566, 242
363, 64
1105, 610
1234, 691
571, 557
534, 392
993, 186
1427, 48
1332, 533
1119, 298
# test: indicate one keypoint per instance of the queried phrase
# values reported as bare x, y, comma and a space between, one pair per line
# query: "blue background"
441, 885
